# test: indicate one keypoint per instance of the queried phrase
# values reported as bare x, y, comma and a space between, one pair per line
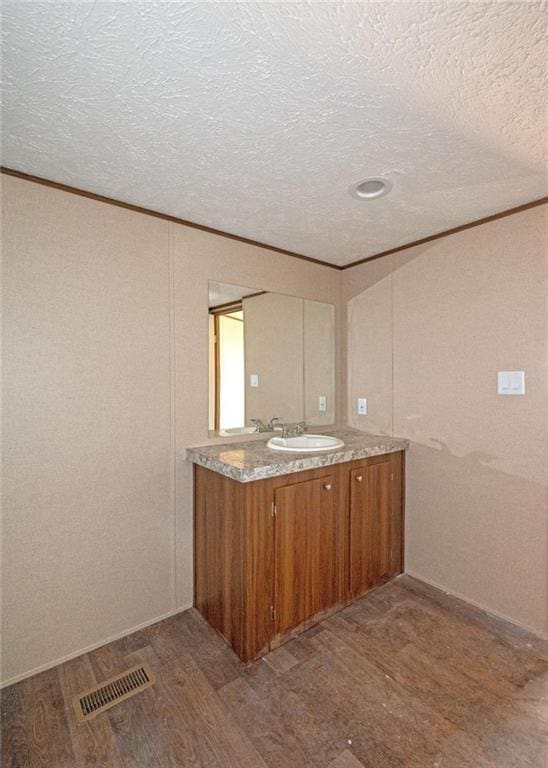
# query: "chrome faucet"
261, 426
293, 430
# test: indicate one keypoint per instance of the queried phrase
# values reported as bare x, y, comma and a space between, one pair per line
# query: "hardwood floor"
406, 677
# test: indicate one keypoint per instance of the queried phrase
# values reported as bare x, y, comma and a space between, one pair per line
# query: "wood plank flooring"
406, 677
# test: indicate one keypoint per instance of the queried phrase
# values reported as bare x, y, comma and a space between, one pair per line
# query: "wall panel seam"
172, 407
391, 277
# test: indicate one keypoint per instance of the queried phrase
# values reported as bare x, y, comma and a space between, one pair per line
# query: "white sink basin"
305, 443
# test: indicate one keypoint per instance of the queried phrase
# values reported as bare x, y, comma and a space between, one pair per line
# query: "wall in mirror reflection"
269, 355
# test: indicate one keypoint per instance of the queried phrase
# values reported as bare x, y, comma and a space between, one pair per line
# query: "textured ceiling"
255, 118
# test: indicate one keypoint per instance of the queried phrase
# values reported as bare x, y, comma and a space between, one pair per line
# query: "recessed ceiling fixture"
369, 189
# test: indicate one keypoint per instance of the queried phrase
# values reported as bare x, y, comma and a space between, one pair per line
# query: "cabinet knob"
327, 486
359, 478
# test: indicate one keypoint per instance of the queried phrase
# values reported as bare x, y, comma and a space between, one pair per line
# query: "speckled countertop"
252, 460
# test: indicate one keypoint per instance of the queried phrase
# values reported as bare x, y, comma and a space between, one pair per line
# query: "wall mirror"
269, 355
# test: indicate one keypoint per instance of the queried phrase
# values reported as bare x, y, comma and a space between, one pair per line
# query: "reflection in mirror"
269, 355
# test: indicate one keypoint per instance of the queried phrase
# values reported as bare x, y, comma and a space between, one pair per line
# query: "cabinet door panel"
371, 507
307, 555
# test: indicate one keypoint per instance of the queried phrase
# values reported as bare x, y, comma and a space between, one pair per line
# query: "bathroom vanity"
282, 540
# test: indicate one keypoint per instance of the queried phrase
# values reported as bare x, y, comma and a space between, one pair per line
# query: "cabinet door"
371, 513
306, 551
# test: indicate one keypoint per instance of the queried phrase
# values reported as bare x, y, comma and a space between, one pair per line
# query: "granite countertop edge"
275, 465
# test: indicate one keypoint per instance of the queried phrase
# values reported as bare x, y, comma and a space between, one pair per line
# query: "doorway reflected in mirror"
269, 355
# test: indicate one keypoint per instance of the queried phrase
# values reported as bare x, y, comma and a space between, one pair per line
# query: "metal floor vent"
91, 703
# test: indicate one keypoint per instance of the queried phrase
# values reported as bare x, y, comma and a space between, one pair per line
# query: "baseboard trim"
93, 647
130, 631
465, 599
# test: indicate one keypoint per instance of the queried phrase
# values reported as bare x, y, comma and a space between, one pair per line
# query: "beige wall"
319, 357
274, 351
105, 385
428, 329
290, 344
87, 530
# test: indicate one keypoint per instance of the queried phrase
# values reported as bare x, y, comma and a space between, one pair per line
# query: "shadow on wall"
371, 272
446, 532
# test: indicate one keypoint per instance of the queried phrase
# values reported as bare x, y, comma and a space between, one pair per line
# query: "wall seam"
172, 404
391, 274
341, 358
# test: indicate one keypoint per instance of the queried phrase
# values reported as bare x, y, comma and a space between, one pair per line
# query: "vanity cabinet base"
274, 557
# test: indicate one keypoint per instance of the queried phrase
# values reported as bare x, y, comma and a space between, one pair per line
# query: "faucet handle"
293, 430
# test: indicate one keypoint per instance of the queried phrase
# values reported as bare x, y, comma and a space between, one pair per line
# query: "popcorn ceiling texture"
255, 118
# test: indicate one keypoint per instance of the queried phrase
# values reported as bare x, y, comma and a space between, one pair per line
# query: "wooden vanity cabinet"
376, 522
309, 566
273, 557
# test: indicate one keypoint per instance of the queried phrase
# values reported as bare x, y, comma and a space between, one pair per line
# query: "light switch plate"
511, 383
362, 406
322, 403
253, 380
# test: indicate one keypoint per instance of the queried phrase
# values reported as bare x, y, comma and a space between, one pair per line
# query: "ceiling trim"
452, 231
256, 243
158, 215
